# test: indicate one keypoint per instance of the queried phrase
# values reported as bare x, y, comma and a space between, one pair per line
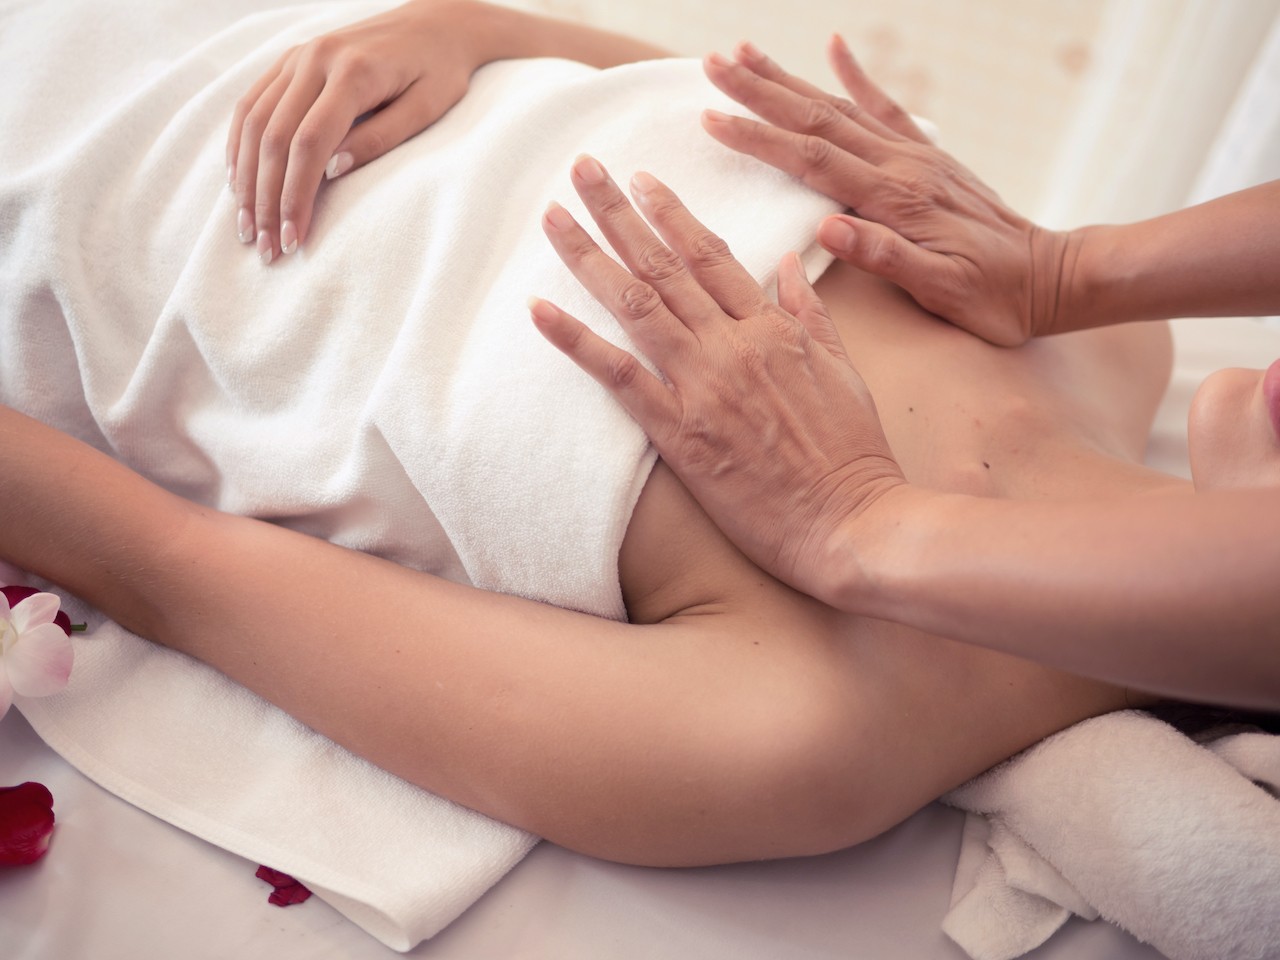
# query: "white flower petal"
36, 609
6, 693
4, 607
40, 662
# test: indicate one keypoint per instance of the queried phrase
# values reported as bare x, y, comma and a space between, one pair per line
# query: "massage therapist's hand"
404, 69
762, 415
927, 223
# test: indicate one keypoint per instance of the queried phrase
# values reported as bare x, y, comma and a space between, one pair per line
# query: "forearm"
503, 33
1215, 259
574, 727
1172, 594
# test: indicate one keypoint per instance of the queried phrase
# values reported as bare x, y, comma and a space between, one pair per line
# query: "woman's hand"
926, 223
403, 69
762, 416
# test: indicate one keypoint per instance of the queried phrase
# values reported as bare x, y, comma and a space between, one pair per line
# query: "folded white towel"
383, 387
1122, 816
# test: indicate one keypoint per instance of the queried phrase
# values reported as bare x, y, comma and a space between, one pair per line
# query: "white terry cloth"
1123, 817
383, 387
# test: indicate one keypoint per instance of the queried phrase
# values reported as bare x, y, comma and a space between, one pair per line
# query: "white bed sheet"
118, 883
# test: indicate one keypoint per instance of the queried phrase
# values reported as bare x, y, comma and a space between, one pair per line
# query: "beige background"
1074, 110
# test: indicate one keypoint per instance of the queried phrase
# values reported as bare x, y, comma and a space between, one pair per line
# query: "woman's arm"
1175, 594
926, 223
400, 71
694, 740
763, 417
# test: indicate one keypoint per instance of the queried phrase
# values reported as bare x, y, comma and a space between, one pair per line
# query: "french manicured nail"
244, 225
720, 60
338, 164
559, 217
838, 235
288, 237
642, 184
265, 252
588, 170
715, 116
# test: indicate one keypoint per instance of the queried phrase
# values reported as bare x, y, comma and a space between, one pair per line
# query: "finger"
318, 136
637, 306
763, 66
874, 100
644, 396
877, 249
817, 162
705, 254
407, 115
242, 108
274, 155
647, 257
816, 116
797, 296
246, 176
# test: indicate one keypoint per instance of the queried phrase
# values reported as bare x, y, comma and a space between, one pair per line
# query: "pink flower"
287, 892
26, 822
35, 645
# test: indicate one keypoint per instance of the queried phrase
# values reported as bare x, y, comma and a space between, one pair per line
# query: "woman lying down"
727, 717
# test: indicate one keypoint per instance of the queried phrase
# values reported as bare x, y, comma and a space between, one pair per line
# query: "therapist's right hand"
922, 220
402, 70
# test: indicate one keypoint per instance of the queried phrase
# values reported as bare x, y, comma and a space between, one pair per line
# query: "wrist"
1055, 279
1098, 280
860, 564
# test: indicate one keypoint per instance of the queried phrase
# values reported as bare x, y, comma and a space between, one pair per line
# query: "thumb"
797, 296
876, 249
410, 113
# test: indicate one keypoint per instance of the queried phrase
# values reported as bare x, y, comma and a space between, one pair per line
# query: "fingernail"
642, 184
588, 170
264, 247
838, 236
541, 310
750, 50
338, 164
244, 225
231, 173
715, 116
288, 237
559, 217
719, 60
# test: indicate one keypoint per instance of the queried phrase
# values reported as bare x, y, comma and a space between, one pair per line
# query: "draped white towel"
1123, 817
383, 387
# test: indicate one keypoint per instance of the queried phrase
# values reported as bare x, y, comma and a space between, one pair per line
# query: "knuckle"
622, 369
883, 255
275, 142
709, 250
613, 204
819, 117
254, 124
846, 108
638, 300
816, 152
308, 139
658, 264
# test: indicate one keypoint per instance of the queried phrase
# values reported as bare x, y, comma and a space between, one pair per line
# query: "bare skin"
733, 719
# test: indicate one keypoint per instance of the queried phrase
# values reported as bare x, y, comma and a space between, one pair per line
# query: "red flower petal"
287, 892
16, 595
26, 823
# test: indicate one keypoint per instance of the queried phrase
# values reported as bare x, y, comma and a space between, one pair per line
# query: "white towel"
1124, 817
382, 387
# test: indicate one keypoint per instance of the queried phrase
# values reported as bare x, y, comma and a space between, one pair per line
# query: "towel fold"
1124, 817
383, 387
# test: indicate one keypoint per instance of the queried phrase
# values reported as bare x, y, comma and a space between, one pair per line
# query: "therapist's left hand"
762, 415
